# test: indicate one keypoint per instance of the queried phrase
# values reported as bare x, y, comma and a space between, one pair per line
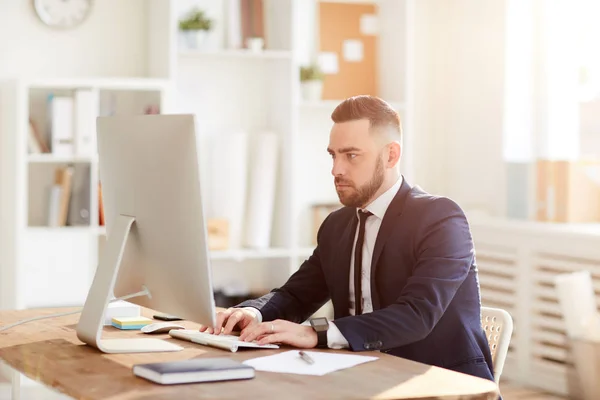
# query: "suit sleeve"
301, 296
445, 253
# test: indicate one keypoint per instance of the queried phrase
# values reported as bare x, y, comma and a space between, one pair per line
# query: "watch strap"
322, 339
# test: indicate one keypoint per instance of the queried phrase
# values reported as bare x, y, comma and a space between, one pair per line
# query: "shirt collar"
379, 206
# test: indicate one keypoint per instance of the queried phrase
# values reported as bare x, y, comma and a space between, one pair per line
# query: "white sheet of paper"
328, 62
353, 50
290, 362
369, 24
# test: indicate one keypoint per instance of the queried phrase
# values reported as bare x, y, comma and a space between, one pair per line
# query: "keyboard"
226, 342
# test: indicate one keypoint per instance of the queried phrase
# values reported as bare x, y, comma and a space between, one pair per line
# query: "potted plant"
195, 28
311, 81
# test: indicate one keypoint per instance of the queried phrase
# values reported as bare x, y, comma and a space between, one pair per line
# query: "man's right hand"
230, 319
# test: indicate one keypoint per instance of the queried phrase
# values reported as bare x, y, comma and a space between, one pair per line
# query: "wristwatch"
320, 325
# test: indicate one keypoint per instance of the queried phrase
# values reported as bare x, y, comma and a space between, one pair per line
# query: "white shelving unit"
45, 265
240, 91
228, 90
240, 54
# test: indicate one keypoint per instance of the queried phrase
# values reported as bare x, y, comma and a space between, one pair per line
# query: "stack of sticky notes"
120, 308
130, 322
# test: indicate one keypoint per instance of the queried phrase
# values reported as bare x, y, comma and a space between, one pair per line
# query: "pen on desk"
306, 357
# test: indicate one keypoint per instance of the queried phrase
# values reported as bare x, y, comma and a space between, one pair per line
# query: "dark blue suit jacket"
424, 285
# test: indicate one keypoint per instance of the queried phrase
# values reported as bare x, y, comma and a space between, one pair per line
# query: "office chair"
498, 326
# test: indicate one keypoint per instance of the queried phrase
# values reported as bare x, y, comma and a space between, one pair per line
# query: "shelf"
100, 83
51, 230
329, 105
51, 158
244, 54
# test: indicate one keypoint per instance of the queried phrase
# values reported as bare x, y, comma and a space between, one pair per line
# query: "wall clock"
62, 14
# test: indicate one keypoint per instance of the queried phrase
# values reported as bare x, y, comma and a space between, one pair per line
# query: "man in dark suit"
409, 254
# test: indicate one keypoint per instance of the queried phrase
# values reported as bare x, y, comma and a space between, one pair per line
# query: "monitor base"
114, 346
91, 322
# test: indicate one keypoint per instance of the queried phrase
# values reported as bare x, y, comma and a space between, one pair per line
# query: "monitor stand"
91, 323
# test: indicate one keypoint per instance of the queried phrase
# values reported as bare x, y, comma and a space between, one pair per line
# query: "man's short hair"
379, 113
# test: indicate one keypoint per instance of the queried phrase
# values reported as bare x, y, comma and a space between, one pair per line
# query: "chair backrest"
498, 326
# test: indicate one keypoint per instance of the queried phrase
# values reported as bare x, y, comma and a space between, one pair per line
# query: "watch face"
319, 322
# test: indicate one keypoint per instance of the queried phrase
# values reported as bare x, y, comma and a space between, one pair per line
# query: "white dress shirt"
378, 207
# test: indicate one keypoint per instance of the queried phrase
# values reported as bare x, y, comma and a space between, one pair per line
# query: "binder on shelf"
60, 120
79, 208
86, 110
54, 205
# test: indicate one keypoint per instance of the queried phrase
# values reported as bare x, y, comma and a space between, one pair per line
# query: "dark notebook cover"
194, 370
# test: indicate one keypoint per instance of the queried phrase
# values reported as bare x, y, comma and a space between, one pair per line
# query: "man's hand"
281, 331
231, 318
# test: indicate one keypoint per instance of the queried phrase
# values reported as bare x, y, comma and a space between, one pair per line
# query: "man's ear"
394, 154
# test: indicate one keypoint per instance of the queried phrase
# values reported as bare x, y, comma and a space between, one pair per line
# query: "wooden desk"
48, 351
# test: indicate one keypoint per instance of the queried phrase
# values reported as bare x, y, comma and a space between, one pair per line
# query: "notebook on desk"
225, 342
194, 370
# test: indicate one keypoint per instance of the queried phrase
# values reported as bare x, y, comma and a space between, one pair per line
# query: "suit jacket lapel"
342, 264
388, 224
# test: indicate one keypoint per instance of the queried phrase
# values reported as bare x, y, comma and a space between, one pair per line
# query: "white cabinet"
57, 267
45, 264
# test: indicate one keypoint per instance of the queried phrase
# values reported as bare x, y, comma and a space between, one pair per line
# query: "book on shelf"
245, 20
100, 206
60, 196
35, 142
69, 197
252, 20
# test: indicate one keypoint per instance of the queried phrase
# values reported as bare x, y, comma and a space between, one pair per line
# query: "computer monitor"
156, 233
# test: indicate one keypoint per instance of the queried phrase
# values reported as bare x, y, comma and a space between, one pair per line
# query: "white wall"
459, 78
429, 88
112, 42
590, 129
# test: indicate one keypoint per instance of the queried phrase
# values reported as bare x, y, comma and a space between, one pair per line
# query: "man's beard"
359, 197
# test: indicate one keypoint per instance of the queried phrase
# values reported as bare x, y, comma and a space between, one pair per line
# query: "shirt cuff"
335, 339
256, 311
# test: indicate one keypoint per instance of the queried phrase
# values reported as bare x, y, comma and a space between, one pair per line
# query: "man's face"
357, 162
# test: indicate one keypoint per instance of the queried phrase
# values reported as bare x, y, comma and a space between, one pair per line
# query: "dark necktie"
362, 219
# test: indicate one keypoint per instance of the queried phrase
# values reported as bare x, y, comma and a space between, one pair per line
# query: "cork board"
339, 22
